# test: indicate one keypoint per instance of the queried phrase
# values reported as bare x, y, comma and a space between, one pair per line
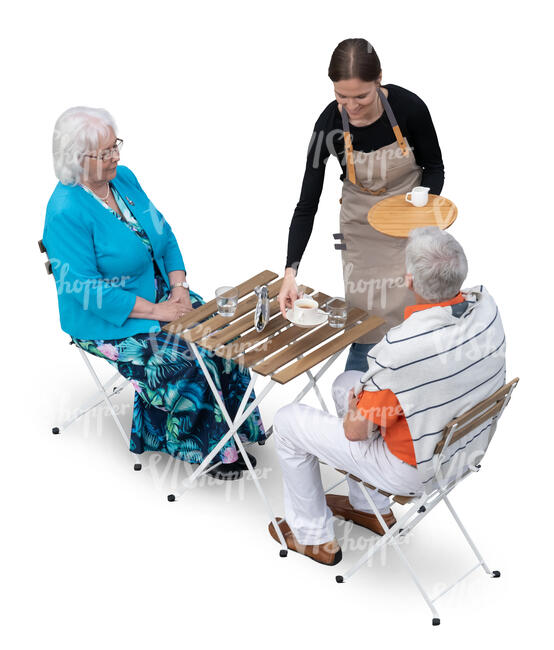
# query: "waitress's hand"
289, 292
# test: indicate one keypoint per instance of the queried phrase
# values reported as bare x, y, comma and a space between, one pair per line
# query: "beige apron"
373, 263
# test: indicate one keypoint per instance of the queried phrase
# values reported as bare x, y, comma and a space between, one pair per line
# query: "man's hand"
356, 426
352, 400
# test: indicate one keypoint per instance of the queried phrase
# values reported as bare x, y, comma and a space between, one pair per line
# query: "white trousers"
303, 434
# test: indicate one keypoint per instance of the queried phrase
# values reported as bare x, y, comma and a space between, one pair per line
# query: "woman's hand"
182, 296
288, 293
169, 310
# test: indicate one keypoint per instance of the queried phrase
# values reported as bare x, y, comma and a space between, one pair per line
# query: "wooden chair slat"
399, 498
359, 480
41, 246
470, 426
304, 344
477, 415
495, 397
205, 311
402, 500
327, 350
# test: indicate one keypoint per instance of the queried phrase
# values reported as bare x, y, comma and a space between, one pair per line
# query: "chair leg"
385, 539
389, 536
382, 541
493, 574
436, 619
79, 414
108, 403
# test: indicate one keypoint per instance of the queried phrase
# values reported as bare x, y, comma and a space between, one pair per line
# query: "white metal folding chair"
105, 392
463, 427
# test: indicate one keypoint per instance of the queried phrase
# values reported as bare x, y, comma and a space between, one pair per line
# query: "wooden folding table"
280, 353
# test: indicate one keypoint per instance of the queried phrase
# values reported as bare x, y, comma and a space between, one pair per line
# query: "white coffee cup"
418, 196
305, 311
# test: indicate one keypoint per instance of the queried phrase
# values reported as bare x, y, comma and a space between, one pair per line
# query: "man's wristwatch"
185, 285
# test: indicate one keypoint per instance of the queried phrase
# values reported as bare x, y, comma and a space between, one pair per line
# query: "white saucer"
322, 318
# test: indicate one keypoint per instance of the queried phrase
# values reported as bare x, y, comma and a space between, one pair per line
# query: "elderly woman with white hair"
445, 357
120, 277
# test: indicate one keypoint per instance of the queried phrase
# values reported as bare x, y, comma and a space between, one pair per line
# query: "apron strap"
394, 123
350, 169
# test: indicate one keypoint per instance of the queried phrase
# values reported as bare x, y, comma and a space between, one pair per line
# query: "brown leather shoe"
328, 553
340, 507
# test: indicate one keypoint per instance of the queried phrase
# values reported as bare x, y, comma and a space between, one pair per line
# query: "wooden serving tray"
396, 217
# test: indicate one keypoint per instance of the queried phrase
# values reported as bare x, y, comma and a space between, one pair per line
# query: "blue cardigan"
100, 265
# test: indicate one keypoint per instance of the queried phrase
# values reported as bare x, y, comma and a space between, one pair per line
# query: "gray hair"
437, 263
77, 131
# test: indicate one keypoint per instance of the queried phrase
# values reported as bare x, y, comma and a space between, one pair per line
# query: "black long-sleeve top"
327, 139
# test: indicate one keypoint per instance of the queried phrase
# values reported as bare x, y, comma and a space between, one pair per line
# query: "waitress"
385, 141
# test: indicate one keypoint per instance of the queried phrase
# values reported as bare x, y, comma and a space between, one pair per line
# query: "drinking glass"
336, 308
227, 299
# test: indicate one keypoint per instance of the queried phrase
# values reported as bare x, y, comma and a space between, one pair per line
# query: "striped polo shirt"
442, 360
383, 408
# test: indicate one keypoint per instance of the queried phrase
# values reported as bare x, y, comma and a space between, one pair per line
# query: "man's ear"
409, 280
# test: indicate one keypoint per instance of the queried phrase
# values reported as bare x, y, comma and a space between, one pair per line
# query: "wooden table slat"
214, 323
205, 311
238, 347
325, 351
235, 348
242, 325
271, 346
304, 344
221, 337
321, 298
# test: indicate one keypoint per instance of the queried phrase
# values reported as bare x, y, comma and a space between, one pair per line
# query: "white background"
216, 103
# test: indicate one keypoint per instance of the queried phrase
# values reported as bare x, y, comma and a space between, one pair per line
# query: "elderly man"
446, 356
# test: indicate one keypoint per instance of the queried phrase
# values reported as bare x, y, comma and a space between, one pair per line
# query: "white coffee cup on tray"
305, 311
418, 196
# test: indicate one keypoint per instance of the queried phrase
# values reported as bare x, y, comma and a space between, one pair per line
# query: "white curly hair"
437, 263
78, 130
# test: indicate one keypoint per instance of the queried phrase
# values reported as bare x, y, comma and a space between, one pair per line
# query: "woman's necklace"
102, 198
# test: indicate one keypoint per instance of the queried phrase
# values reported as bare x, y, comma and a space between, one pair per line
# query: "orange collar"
413, 308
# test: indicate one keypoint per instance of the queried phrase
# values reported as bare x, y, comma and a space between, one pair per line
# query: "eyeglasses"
107, 153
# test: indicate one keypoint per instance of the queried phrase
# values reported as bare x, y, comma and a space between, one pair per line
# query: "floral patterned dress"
174, 409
